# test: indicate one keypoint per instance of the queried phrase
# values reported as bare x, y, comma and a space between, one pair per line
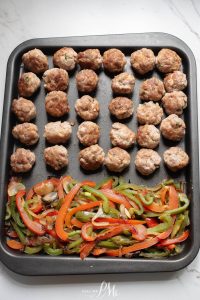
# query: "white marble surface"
21, 20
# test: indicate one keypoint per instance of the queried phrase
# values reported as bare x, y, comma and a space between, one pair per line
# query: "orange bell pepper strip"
114, 221
139, 246
14, 244
60, 190
77, 223
107, 185
155, 207
30, 194
141, 232
33, 226
112, 232
117, 198
84, 232
59, 225
98, 251
86, 249
176, 240
79, 208
163, 194
173, 198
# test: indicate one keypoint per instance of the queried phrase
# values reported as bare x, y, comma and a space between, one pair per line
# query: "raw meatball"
90, 59
35, 61
122, 136
149, 113
175, 158
123, 83
28, 84
86, 81
56, 104
174, 102
143, 60
56, 157
168, 61
121, 107
22, 160
91, 158
57, 132
173, 128
88, 133
65, 58
87, 108
175, 81
24, 109
114, 60
26, 133
147, 161
55, 79
152, 89
117, 160
148, 136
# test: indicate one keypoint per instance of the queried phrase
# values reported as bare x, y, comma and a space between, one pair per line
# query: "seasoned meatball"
143, 60
117, 160
122, 136
65, 58
28, 84
35, 61
174, 102
148, 136
114, 60
91, 158
57, 132
175, 158
56, 104
152, 89
168, 61
121, 107
24, 109
147, 161
175, 81
56, 157
173, 128
87, 108
88, 133
123, 83
86, 81
26, 133
149, 113
55, 79
90, 59
22, 160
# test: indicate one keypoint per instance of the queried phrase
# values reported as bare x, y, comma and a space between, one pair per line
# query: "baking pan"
46, 265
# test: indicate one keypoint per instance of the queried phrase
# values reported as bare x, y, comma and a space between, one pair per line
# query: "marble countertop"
21, 20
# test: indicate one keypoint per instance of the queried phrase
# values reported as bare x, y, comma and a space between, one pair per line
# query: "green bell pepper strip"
185, 222
149, 214
107, 244
20, 234
84, 216
182, 198
73, 233
15, 215
114, 213
105, 206
87, 195
75, 243
147, 200
177, 225
168, 182
8, 212
51, 251
134, 199
155, 254
167, 223
32, 250
121, 240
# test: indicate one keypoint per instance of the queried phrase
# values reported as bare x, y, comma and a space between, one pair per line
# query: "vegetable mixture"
113, 218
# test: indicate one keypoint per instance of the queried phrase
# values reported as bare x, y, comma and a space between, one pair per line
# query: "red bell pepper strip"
33, 226
79, 208
163, 194
155, 207
14, 244
59, 225
61, 193
86, 249
84, 232
173, 198
98, 251
177, 240
139, 246
151, 222
141, 232
117, 198
107, 185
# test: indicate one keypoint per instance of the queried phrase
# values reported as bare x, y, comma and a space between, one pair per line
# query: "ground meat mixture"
57, 132
175, 81
123, 83
122, 136
56, 157
117, 159
121, 107
22, 160
173, 128
149, 113
28, 84
65, 58
35, 61
56, 104
26, 133
147, 161
174, 102
86, 81
87, 108
114, 60
175, 158
88, 133
168, 61
56, 79
143, 60
148, 136
24, 109
91, 158
152, 89
90, 59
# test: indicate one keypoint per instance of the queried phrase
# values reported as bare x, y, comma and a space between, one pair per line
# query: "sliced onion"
122, 211
127, 213
50, 197
14, 187
99, 214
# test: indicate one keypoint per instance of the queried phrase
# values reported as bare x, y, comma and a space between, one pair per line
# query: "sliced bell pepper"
151, 222
15, 244
176, 240
33, 226
173, 198
107, 185
116, 198
86, 249
139, 246
100, 195
120, 221
87, 232
59, 225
